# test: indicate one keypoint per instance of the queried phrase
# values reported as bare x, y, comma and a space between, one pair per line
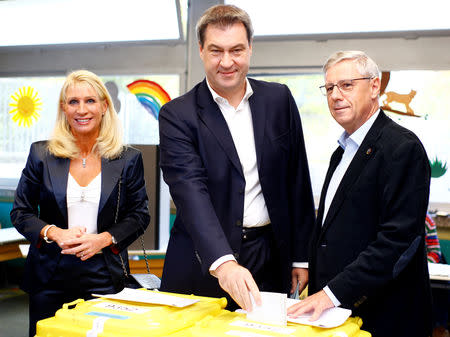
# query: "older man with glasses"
367, 252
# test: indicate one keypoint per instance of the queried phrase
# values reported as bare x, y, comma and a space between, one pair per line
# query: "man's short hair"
365, 65
223, 16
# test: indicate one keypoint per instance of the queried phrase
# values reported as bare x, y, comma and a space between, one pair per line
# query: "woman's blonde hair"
109, 143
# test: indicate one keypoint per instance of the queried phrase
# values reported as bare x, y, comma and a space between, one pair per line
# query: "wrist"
47, 233
220, 261
224, 267
111, 240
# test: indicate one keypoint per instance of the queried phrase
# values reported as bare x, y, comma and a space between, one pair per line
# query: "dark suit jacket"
370, 250
202, 168
40, 199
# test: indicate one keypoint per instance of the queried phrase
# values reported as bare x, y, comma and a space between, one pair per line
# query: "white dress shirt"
240, 124
83, 202
350, 144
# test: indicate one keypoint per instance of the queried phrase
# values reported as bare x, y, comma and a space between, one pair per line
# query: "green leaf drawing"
438, 168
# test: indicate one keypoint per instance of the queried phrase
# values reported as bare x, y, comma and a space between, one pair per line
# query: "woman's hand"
87, 245
61, 236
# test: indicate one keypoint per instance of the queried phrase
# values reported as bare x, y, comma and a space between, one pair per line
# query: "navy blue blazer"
40, 199
202, 168
370, 250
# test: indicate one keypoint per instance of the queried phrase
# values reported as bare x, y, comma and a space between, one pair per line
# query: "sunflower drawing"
25, 106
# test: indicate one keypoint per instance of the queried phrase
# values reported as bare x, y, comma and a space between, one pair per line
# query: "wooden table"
155, 261
10, 239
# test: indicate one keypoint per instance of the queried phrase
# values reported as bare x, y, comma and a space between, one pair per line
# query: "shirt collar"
219, 99
358, 136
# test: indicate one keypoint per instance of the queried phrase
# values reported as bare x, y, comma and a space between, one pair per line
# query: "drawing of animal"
405, 99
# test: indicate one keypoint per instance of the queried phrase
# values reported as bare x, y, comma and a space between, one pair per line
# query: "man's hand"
316, 303
238, 282
299, 275
87, 245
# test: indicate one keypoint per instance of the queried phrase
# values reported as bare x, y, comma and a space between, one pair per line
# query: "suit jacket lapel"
211, 115
258, 110
365, 152
111, 172
334, 161
59, 170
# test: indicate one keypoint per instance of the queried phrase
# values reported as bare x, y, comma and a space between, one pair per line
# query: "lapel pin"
369, 151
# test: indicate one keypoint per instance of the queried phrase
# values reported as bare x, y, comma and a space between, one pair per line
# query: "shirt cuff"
219, 261
331, 296
300, 265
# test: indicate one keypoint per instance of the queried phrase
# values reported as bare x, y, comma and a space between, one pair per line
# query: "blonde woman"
80, 201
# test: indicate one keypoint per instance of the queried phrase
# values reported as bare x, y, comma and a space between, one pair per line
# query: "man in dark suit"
233, 155
368, 250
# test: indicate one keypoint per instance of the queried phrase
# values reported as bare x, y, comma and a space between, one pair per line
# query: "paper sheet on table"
271, 311
330, 318
144, 296
439, 269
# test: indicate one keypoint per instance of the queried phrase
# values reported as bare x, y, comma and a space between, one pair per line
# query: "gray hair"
365, 65
223, 16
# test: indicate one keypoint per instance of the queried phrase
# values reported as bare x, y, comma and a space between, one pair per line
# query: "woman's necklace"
83, 160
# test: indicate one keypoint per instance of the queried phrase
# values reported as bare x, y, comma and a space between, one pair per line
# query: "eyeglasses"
342, 85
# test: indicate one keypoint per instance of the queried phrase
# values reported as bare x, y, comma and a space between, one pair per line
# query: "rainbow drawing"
150, 94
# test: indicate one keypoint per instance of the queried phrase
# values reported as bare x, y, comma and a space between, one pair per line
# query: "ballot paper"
152, 297
272, 309
330, 318
439, 269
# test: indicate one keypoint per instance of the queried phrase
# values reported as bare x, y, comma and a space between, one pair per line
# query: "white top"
240, 124
350, 144
83, 202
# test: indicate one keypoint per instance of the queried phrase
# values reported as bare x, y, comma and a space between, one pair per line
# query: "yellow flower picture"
25, 106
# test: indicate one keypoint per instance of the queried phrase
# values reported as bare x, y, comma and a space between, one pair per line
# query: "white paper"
439, 269
272, 310
330, 318
24, 249
121, 307
97, 327
152, 297
10, 235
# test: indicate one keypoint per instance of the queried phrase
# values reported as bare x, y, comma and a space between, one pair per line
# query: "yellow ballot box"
105, 317
235, 324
